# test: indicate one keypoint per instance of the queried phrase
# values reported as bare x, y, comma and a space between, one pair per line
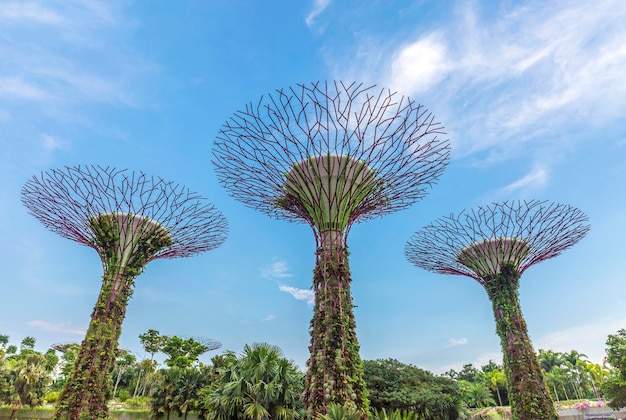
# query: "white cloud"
529, 72
536, 178
62, 327
452, 342
28, 11
301, 294
318, 7
588, 339
269, 318
50, 143
280, 270
419, 65
18, 88
276, 270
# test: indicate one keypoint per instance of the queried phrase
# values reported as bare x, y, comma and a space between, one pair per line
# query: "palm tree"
496, 378
598, 375
548, 359
123, 362
24, 382
260, 384
476, 394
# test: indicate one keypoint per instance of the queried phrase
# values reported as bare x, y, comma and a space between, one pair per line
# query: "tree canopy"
393, 385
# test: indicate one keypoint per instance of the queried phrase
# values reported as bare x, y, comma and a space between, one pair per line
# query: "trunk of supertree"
87, 393
528, 394
335, 369
124, 256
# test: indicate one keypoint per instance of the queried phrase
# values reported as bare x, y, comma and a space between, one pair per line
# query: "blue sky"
532, 95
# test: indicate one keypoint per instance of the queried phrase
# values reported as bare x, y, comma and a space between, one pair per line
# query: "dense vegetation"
260, 383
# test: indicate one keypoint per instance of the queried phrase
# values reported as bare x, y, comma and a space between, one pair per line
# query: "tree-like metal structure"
130, 219
64, 347
209, 344
331, 155
494, 245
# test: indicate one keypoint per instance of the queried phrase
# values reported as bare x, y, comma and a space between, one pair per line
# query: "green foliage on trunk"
87, 392
529, 397
335, 369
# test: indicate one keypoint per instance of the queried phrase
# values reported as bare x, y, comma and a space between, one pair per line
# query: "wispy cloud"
59, 60
301, 294
17, 88
508, 79
50, 143
269, 318
276, 270
453, 342
25, 11
594, 334
536, 178
420, 65
62, 327
318, 7
279, 270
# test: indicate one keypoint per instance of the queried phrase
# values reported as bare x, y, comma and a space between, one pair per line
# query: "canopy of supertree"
330, 154
478, 242
73, 201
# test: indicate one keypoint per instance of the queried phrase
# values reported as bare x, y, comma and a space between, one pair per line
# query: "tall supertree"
130, 219
494, 245
331, 155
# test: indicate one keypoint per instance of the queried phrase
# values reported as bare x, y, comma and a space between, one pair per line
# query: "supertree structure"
64, 347
330, 155
494, 245
209, 344
130, 219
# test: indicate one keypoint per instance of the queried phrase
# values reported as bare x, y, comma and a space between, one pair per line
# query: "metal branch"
396, 138
65, 200
547, 229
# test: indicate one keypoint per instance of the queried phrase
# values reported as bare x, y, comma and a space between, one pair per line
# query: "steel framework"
130, 219
331, 155
494, 245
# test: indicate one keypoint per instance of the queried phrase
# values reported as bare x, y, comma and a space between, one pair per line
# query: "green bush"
123, 395
52, 397
137, 402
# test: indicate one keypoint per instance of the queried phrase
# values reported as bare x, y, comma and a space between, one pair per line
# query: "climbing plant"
334, 368
529, 397
89, 389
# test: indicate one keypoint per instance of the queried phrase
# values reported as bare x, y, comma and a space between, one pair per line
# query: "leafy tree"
4, 341
615, 387
122, 363
571, 375
496, 380
24, 381
27, 344
476, 394
393, 385
260, 384
182, 352
52, 360
152, 342
178, 391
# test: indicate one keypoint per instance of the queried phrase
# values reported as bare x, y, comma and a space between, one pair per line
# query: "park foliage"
261, 383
